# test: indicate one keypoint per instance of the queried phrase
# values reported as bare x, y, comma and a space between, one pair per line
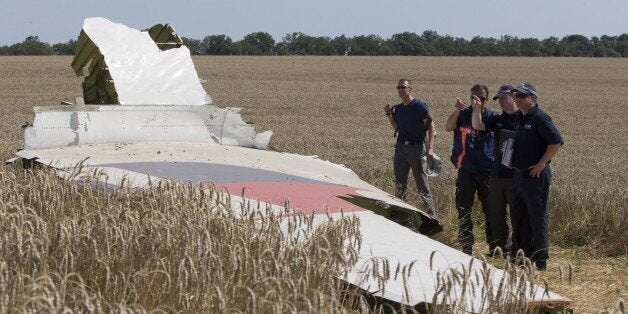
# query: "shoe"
541, 265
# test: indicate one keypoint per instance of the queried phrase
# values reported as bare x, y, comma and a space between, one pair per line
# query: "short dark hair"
479, 87
406, 80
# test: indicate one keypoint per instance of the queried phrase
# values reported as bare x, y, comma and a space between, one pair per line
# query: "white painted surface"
141, 72
303, 166
381, 239
63, 126
384, 239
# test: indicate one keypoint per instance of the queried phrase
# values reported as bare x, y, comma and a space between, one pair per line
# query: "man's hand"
460, 104
429, 152
476, 103
535, 171
388, 109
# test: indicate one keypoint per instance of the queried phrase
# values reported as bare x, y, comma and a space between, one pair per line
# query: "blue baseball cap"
504, 89
525, 88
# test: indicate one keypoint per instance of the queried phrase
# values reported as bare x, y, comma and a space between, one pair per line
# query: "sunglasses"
402, 87
482, 99
521, 95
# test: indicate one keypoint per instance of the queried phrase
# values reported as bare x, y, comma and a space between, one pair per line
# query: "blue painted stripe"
197, 172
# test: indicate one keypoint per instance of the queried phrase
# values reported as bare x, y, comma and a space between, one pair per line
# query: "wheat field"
332, 107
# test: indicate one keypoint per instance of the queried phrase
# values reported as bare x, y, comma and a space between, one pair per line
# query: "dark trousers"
498, 213
409, 157
467, 184
528, 213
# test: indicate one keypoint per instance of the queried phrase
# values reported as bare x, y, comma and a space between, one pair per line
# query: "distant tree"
324, 47
480, 46
298, 43
31, 46
259, 43
532, 47
509, 46
599, 48
217, 45
194, 45
447, 45
371, 45
68, 48
609, 43
5, 51
237, 48
550, 45
576, 46
281, 49
406, 44
431, 43
301, 44
342, 45
621, 45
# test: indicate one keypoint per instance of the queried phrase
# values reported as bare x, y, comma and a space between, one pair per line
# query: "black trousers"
499, 214
528, 213
467, 184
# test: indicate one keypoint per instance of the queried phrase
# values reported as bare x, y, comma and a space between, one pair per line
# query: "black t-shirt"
534, 131
409, 119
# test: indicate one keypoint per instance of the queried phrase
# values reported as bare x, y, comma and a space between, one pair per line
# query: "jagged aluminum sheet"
312, 186
61, 126
140, 72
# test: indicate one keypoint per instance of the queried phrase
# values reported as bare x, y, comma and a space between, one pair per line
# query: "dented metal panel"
149, 67
62, 126
312, 186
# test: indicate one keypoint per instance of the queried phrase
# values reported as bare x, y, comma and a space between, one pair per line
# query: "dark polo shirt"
534, 131
496, 124
409, 119
473, 150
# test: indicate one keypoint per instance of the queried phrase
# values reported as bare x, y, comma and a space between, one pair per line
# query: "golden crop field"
333, 107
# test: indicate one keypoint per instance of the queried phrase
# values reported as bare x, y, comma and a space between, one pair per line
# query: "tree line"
429, 43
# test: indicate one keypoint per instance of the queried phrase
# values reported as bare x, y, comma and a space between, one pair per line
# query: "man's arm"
388, 110
551, 151
450, 125
429, 145
476, 115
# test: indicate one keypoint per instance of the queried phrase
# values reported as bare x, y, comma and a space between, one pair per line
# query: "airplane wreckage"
145, 117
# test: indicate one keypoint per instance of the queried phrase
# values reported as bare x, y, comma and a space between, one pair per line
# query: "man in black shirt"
537, 140
501, 176
411, 119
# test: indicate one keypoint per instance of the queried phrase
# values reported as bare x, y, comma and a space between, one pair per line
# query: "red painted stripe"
463, 138
304, 197
464, 131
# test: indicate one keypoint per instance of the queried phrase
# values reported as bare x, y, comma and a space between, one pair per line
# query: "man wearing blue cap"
472, 155
501, 177
537, 140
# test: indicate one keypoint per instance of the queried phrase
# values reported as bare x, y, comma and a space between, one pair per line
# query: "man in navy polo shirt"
411, 119
537, 140
472, 154
501, 177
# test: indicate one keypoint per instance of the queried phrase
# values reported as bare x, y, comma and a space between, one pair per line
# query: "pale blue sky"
60, 20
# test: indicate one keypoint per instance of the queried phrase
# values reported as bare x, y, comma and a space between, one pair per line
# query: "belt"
410, 142
521, 170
